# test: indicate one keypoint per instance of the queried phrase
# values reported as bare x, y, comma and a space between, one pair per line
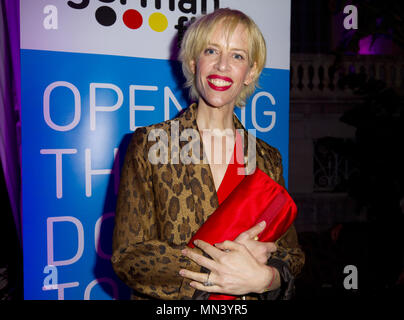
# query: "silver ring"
207, 283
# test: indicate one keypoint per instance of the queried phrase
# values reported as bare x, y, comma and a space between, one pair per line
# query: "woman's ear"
252, 73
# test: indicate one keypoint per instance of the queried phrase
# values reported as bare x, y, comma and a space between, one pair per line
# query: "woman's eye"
238, 56
210, 51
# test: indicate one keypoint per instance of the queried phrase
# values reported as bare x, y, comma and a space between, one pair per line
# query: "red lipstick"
219, 88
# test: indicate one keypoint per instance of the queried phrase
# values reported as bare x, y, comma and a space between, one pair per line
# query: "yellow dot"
158, 22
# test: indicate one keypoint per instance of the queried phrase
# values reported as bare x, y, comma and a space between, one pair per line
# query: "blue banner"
78, 111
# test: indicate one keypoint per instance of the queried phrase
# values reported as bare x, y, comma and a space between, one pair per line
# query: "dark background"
346, 136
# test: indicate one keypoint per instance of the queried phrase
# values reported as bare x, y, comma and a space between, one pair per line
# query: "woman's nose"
222, 62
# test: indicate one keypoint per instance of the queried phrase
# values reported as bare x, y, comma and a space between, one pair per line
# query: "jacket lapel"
198, 172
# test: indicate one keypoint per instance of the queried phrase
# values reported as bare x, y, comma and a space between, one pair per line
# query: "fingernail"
196, 242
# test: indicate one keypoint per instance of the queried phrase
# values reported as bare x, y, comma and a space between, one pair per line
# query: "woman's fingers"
271, 246
260, 250
202, 287
197, 276
209, 249
252, 232
200, 280
199, 259
213, 252
234, 270
228, 246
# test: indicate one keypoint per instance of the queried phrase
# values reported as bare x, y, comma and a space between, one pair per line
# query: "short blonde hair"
197, 36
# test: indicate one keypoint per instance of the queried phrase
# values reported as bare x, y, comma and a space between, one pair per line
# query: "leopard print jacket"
160, 206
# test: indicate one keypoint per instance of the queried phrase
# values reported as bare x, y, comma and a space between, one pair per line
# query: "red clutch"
256, 198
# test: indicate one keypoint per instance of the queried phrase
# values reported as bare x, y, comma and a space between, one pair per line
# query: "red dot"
132, 19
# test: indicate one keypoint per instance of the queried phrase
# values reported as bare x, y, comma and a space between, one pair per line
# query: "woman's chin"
217, 104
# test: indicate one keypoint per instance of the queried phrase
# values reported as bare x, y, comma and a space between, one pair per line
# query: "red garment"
231, 179
235, 171
250, 199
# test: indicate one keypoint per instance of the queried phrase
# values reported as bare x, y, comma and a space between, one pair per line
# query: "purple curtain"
10, 104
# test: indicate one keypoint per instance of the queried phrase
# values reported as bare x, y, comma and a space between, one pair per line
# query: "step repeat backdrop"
92, 72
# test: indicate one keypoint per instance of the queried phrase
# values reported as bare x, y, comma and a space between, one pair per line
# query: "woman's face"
223, 68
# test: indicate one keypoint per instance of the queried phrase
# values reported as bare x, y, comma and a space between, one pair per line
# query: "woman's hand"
233, 269
260, 250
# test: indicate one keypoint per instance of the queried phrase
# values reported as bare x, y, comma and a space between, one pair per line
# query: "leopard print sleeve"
289, 251
288, 246
142, 261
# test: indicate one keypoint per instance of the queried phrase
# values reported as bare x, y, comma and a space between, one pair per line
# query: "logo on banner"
158, 22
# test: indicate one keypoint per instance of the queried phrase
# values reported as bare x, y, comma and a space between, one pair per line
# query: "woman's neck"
209, 118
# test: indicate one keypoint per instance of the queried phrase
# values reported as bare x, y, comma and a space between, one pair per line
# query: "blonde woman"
165, 197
